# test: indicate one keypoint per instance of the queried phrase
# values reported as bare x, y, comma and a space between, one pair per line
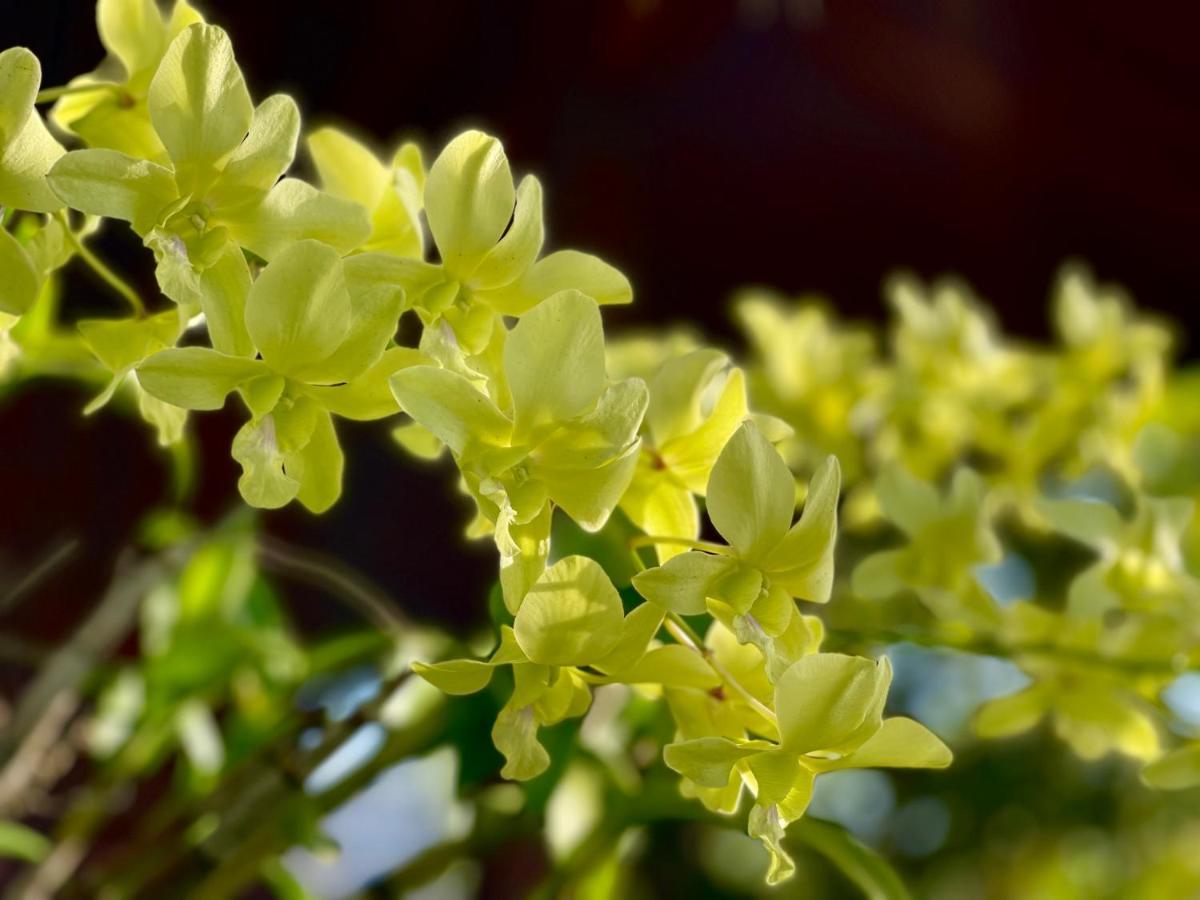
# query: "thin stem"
352, 588
111, 278
49, 95
686, 635
650, 540
985, 646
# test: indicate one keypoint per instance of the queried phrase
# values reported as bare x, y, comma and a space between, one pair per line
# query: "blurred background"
700, 146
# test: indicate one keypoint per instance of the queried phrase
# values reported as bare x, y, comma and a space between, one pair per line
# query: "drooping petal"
19, 280
684, 582
446, 403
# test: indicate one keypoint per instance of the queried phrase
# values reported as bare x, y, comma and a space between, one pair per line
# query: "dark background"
699, 146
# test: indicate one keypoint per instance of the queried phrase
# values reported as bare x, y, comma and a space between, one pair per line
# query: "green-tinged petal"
20, 842
523, 560
637, 629
268, 150
469, 199
374, 315
451, 407
677, 394
369, 396
683, 583
673, 666
263, 482
19, 280
168, 420
658, 506
111, 184
1177, 770
27, 149
520, 245
347, 168
589, 495
776, 773
554, 361
317, 466
1091, 522
419, 441
133, 31
899, 743
20, 75
564, 270
196, 377
1010, 715
691, 457
831, 702
223, 289
571, 616
515, 736
765, 825
708, 761
907, 501
121, 344
802, 563
751, 494
199, 103
298, 310
291, 211
602, 434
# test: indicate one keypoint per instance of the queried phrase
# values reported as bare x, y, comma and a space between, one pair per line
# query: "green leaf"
111, 184
751, 494
459, 414
571, 616
21, 842
298, 310
456, 676
19, 280
708, 761
196, 377
469, 199
199, 103
831, 702
872, 873
684, 582
554, 361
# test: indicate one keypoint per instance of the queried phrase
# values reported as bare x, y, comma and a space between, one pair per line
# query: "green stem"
985, 646
650, 540
49, 95
686, 635
111, 278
